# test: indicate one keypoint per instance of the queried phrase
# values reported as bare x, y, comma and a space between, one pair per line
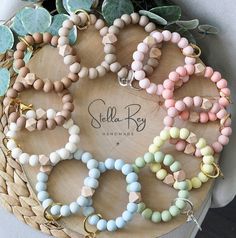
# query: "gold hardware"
223, 120
30, 47
48, 216
90, 234
22, 107
88, 22
25, 107
198, 51
217, 171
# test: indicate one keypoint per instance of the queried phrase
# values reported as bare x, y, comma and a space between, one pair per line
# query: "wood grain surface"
125, 140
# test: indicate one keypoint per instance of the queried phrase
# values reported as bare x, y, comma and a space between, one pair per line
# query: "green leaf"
169, 13
65, 5
36, 20
17, 25
154, 17
4, 81
113, 9
59, 6
6, 39
208, 30
163, 3
190, 25
74, 5
57, 24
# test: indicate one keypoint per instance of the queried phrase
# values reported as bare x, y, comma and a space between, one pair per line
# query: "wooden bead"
21, 122
192, 138
103, 31
109, 39
99, 24
75, 19
93, 73
67, 98
67, 82
68, 24
126, 18
65, 50
73, 77
87, 191
206, 104
58, 86
38, 84
69, 59
13, 116
115, 67
153, 62
24, 71
199, 69
63, 41
101, 71
113, 30
189, 149
31, 124
29, 39
194, 117
66, 114
64, 31
41, 114
150, 27
135, 18
60, 120
47, 37
109, 49
18, 86
12, 93
44, 160
19, 63
169, 180
179, 175
30, 78
150, 41
75, 68
48, 86
119, 23
83, 72
21, 46
155, 53
135, 197
38, 38
54, 41
93, 19
41, 125
18, 54
110, 58
51, 124
68, 106
143, 21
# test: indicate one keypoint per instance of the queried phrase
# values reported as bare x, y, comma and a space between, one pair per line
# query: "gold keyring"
217, 170
48, 216
26, 42
88, 23
133, 85
85, 225
195, 55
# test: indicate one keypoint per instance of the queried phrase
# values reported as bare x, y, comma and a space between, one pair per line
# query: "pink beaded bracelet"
82, 20
142, 50
125, 75
24, 71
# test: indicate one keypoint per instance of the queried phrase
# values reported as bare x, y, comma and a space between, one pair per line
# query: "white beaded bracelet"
143, 49
82, 21
51, 159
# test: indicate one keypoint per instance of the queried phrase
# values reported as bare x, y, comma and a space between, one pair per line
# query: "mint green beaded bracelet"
179, 204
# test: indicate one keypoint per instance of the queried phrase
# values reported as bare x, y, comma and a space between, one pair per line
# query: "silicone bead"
120, 222
135, 187
180, 204
102, 167
87, 211
161, 174
91, 182
174, 210
119, 164
92, 163
183, 185
203, 177
158, 141
55, 210
183, 194
132, 207
127, 216
94, 173
155, 167
140, 162
40, 186
166, 216
196, 182
168, 160
147, 213
159, 156
176, 166
141, 207
126, 169
102, 225
65, 210
165, 135
208, 159
74, 208
156, 217
131, 177
82, 201
184, 133
111, 225
93, 220
42, 195
174, 132
149, 158
201, 143
46, 203
86, 157
109, 163
78, 154
42, 177
207, 168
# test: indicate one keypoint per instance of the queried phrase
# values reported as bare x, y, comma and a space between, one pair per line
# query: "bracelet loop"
217, 171
48, 216
88, 22
196, 49
90, 234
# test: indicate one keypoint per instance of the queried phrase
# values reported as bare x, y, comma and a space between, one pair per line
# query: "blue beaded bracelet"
132, 207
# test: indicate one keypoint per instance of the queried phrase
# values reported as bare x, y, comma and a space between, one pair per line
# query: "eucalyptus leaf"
6, 39
74, 5
4, 81
65, 5
152, 16
59, 6
57, 24
169, 13
208, 30
17, 25
36, 20
190, 25
113, 9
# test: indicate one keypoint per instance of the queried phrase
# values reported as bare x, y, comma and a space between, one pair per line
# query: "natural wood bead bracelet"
208, 167
82, 21
31, 78
134, 188
51, 159
36, 119
111, 38
157, 38
175, 209
54, 211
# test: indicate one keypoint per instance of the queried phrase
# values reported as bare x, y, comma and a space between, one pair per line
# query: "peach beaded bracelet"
82, 21
143, 48
125, 75
36, 119
24, 71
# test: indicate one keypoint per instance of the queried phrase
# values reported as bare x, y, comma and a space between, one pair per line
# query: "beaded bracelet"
175, 209
51, 159
82, 21
54, 211
134, 189
209, 169
36, 119
125, 75
31, 78
211, 111
143, 48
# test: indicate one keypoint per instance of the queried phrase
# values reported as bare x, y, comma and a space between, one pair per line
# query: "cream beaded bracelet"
208, 167
157, 38
125, 75
31, 78
83, 20
51, 159
36, 119
175, 209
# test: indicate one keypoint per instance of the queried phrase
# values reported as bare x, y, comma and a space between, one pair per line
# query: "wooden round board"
137, 119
